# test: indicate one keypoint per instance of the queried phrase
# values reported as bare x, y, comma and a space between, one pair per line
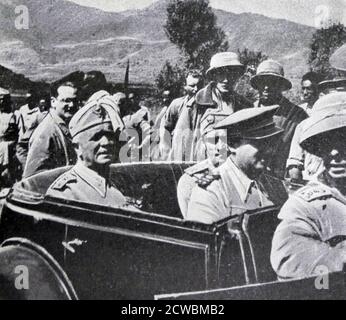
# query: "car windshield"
149, 187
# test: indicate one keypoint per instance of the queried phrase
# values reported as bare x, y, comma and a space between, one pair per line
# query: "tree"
191, 25
171, 78
324, 42
251, 59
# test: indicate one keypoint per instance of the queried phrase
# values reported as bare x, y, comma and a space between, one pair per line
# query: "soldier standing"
242, 184
175, 109
270, 81
312, 233
30, 116
218, 96
50, 146
8, 139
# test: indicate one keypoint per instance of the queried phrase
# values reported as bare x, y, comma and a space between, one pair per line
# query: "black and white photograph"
167, 150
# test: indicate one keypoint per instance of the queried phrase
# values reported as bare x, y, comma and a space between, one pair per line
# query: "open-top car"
81, 250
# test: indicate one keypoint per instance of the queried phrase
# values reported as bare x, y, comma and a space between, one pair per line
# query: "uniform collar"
60, 122
323, 179
210, 97
189, 102
242, 182
92, 178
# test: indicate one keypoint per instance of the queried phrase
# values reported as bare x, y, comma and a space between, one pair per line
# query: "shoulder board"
206, 179
314, 191
198, 168
62, 181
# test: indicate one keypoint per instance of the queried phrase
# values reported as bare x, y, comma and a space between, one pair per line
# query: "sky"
115, 5
309, 12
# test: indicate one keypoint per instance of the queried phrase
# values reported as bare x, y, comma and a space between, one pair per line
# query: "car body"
95, 252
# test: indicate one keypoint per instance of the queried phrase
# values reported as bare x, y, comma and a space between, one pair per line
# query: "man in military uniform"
30, 116
94, 131
8, 139
311, 236
204, 172
218, 96
270, 81
192, 85
301, 164
50, 145
242, 184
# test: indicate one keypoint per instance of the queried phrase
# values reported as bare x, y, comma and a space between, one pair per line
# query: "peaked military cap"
251, 123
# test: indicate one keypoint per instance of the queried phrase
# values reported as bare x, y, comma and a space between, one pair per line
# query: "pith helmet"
337, 82
271, 69
225, 60
326, 125
338, 58
251, 123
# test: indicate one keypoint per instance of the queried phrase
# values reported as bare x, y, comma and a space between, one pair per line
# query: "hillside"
64, 37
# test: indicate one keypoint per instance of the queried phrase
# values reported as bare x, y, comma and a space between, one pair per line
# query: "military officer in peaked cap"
242, 183
94, 130
311, 237
213, 152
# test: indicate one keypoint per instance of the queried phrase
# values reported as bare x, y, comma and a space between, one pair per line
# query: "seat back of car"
152, 185
40, 182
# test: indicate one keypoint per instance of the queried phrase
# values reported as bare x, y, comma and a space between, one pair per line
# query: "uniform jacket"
28, 121
187, 131
173, 112
50, 146
232, 194
287, 117
312, 234
311, 165
192, 177
85, 185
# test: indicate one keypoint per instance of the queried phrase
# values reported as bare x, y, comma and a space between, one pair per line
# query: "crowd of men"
242, 152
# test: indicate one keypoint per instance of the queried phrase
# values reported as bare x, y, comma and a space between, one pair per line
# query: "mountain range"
64, 37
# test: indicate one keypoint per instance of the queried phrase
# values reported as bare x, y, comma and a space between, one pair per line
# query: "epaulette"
62, 181
204, 180
314, 191
198, 168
